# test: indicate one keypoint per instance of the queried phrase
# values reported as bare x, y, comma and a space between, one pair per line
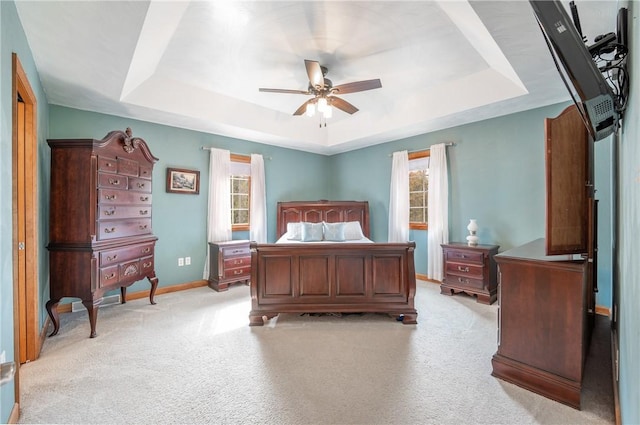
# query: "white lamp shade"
328, 111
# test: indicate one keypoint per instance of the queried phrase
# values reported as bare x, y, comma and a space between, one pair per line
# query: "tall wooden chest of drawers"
470, 269
229, 262
100, 235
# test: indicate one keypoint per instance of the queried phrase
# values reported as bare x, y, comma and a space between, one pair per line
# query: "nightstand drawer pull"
110, 230
238, 271
462, 280
463, 269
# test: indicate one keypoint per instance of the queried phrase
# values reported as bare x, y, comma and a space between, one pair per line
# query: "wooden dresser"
544, 322
470, 269
100, 235
229, 262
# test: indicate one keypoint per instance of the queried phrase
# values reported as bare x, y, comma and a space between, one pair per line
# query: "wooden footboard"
333, 278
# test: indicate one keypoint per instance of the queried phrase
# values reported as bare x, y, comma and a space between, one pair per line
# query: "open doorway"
25, 220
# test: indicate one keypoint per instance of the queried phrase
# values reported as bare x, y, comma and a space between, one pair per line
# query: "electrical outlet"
187, 261
180, 262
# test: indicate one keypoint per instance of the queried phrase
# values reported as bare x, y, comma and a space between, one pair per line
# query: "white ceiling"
199, 64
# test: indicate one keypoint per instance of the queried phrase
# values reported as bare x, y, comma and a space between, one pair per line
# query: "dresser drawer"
107, 164
108, 276
230, 263
120, 228
115, 256
463, 281
113, 196
130, 270
113, 181
146, 172
229, 251
140, 185
107, 211
128, 167
146, 265
464, 256
465, 269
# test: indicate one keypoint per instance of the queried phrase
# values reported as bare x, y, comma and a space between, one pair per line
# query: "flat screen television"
596, 100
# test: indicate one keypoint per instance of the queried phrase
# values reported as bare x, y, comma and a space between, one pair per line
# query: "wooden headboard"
317, 211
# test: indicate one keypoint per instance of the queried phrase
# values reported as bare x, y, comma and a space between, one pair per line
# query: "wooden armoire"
546, 288
100, 235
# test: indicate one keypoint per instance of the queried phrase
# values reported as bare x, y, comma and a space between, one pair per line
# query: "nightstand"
470, 269
229, 262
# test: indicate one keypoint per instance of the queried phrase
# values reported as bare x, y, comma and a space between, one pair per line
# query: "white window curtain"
438, 211
258, 199
399, 198
219, 212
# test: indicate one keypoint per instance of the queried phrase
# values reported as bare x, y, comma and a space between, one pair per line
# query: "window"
418, 189
240, 191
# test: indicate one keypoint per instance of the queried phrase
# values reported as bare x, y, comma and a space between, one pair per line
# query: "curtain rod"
208, 148
427, 149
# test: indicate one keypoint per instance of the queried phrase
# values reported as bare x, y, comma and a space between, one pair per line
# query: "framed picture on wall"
180, 180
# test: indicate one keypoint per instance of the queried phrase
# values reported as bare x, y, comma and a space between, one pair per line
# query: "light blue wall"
12, 39
628, 265
179, 221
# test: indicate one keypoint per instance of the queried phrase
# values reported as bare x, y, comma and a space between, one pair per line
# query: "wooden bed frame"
338, 277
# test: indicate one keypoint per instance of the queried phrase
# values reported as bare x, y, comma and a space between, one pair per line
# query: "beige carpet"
192, 358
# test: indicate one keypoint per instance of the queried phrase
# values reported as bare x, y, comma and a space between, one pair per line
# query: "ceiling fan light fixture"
311, 109
322, 104
328, 112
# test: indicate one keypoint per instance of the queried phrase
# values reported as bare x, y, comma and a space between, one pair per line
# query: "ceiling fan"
324, 92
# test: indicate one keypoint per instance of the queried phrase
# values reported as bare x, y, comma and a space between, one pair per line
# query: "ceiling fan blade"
342, 104
314, 71
303, 108
357, 86
283, 91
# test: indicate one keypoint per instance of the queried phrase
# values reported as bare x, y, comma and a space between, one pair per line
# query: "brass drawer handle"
140, 185
143, 227
111, 230
237, 262
144, 198
238, 271
110, 197
463, 269
109, 276
109, 258
114, 182
461, 280
146, 265
146, 250
109, 212
144, 212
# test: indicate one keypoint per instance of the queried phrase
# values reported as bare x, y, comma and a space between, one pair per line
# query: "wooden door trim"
21, 86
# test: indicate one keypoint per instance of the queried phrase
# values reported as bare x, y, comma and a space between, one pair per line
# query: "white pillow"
334, 232
294, 231
311, 232
353, 231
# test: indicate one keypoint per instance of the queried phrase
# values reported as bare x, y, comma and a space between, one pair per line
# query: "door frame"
26, 304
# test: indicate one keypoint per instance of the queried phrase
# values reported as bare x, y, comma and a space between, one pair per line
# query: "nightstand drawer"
465, 269
230, 263
463, 281
238, 250
241, 273
464, 256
